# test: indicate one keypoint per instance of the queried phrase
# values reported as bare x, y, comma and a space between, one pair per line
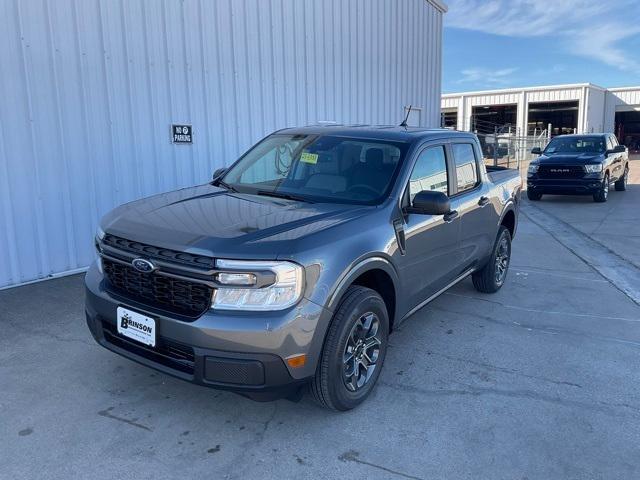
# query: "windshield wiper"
222, 183
287, 196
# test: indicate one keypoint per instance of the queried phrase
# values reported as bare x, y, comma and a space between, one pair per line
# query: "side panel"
433, 256
478, 225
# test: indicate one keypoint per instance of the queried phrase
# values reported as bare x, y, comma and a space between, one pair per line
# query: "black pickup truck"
579, 164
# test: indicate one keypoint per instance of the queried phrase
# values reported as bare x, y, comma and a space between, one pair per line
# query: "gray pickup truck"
295, 264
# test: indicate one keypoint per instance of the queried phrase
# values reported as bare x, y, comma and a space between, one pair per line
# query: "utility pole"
495, 146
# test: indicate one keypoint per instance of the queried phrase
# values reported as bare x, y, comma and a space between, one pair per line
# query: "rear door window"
466, 167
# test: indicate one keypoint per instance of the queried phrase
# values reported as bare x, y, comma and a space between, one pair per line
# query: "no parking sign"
182, 133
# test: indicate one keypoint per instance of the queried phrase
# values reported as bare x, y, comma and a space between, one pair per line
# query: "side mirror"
218, 173
428, 202
617, 149
536, 151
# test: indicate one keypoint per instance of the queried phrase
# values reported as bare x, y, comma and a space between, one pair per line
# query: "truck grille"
561, 171
183, 297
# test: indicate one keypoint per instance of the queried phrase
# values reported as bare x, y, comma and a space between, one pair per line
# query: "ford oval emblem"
142, 265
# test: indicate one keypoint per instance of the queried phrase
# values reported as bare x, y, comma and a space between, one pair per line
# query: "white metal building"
91, 90
583, 108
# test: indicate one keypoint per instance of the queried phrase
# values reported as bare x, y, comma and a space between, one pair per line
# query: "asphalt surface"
538, 381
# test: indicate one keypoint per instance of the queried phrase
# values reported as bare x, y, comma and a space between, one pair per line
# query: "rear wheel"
491, 278
533, 196
354, 350
603, 193
621, 184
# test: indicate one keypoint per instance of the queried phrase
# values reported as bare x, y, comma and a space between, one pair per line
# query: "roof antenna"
404, 122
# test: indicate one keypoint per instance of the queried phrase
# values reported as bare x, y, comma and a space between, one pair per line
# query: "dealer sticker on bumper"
136, 326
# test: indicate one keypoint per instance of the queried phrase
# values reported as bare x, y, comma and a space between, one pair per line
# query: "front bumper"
242, 352
571, 186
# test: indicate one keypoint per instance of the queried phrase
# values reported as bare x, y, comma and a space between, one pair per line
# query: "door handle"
449, 217
483, 201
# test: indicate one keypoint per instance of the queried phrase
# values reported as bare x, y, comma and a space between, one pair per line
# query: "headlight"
100, 233
595, 168
533, 168
240, 289
99, 237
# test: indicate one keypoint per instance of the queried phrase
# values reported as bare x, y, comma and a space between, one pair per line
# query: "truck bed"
499, 175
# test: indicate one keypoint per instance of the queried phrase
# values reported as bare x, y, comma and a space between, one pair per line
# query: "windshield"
318, 168
576, 145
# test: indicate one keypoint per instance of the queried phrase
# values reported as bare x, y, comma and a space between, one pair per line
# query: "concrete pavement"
614, 224
539, 381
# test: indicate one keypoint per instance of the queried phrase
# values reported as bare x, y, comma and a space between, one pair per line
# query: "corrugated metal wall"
626, 96
89, 89
562, 94
620, 100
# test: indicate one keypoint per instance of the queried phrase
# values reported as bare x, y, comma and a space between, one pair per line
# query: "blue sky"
492, 44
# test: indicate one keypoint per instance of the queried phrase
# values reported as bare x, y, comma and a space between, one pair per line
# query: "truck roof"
578, 135
376, 132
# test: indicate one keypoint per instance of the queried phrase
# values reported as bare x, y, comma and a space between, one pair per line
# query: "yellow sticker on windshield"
307, 157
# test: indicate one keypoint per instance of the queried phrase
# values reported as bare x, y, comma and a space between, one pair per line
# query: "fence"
505, 145
509, 150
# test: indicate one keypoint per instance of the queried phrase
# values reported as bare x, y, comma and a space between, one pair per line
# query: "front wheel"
533, 196
603, 192
354, 351
621, 184
492, 276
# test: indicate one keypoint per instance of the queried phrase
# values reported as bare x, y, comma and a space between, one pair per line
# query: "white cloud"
521, 18
603, 44
588, 28
487, 76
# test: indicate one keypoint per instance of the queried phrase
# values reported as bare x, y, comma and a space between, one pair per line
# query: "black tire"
329, 386
603, 193
621, 184
533, 196
491, 278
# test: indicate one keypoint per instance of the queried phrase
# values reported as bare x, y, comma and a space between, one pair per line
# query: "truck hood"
570, 158
208, 220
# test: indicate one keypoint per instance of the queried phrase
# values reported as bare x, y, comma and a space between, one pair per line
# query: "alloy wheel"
503, 255
361, 351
